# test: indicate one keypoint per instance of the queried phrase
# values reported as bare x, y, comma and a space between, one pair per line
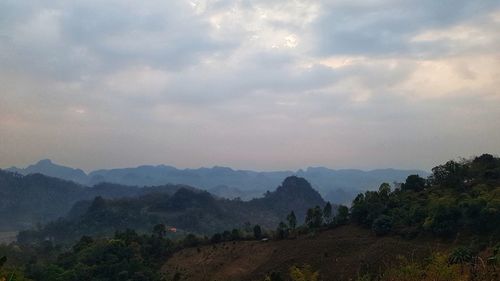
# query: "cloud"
251, 84
382, 28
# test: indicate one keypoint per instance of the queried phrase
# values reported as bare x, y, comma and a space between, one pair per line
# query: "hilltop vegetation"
458, 198
439, 228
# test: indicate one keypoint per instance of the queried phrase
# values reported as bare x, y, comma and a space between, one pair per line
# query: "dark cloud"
385, 28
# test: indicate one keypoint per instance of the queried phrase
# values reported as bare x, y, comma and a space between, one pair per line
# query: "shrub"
382, 225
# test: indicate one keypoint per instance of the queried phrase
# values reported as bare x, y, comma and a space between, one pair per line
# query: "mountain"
48, 168
229, 183
36, 198
188, 210
294, 194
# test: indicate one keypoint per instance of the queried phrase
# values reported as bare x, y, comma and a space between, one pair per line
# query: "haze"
260, 85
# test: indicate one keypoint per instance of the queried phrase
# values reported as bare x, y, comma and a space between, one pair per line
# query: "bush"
382, 225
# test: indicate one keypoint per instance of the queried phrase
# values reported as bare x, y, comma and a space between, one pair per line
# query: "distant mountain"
294, 194
187, 209
229, 183
36, 198
48, 168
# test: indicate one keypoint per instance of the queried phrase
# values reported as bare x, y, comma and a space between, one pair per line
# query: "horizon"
304, 168
260, 85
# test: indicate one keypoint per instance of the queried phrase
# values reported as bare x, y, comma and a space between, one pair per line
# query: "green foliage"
191, 240
292, 220
257, 232
282, 231
126, 256
460, 196
216, 238
305, 273
314, 217
327, 213
460, 255
160, 230
444, 219
342, 216
235, 234
382, 225
369, 206
451, 174
414, 182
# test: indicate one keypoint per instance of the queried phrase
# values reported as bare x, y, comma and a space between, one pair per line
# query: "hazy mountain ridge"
187, 209
48, 168
339, 186
36, 198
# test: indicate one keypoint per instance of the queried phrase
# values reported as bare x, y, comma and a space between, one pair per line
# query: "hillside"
444, 227
440, 228
35, 198
339, 254
337, 186
186, 209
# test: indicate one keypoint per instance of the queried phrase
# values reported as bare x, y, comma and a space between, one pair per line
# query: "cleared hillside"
338, 254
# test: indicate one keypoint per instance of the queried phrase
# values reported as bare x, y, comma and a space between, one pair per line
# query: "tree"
314, 217
282, 231
359, 210
226, 235
216, 238
257, 231
382, 225
292, 220
444, 219
190, 240
310, 218
342, 215
84, 242
3, 260
160, 230
327, 213
235, 234
451, 174
318, 216
384, 190
414, 182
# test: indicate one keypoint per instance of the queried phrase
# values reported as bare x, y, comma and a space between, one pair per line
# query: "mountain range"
37, 199
187, 209
337, 186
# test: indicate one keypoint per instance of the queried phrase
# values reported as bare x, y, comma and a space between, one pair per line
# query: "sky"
262, 84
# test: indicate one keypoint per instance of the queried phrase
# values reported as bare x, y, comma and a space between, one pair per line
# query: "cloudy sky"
259, 84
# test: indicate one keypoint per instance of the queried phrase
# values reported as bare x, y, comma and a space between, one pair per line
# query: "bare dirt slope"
339, 254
